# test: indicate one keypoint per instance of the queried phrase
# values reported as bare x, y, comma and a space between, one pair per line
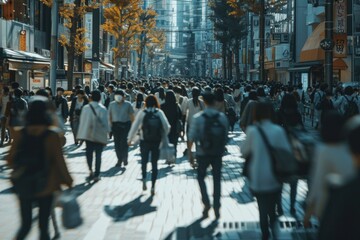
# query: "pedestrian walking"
62, 108
4, 99
39, 168
76, 106
93, 130
121, 115
194, 105
340, 218
209, 132
139, 103
290, 119
173, 113
153, 126
15, 111
262, 180
331, 157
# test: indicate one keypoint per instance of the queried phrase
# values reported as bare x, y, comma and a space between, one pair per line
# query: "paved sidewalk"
117, 208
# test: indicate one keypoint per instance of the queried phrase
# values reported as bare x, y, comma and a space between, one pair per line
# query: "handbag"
71, 216
284, 163
167, 151
97, 129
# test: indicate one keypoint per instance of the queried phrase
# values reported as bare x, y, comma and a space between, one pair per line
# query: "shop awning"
24, 60
312, 50
339, 64
108, 65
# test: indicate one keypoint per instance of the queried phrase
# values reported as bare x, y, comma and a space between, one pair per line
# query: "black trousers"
266, 203
216, 164
120, 132
26, 205
145, 149
92, 147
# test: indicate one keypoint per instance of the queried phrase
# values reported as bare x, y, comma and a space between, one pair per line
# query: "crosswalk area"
116, 207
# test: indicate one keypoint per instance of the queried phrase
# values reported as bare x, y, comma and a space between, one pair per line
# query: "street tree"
122, 22
74, 38
147, 22
156, 44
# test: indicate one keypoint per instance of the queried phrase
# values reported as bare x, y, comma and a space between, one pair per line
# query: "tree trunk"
116, 70
237, 59
224, 70
140, 55
71, 48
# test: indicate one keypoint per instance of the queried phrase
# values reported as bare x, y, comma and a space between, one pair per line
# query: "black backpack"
351, 108
152, 127
213, 140
30, 171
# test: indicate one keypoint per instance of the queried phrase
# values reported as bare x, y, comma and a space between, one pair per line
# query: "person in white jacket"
93, 130
263, 183
151, 136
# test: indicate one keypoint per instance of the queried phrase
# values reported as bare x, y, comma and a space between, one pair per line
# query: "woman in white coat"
263, 183
93, 129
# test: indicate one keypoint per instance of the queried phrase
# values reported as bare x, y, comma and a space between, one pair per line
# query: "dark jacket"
73, 105
341, 216
64, 107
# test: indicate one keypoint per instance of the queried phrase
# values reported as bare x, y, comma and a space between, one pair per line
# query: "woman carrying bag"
264, 184
39, 168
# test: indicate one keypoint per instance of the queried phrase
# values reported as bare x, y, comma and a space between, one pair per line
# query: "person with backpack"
263, 182
121, 115
208, 131
93, 130
153, 126
39, 168
348, 104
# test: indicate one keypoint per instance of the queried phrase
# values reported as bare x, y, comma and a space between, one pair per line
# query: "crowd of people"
161, 112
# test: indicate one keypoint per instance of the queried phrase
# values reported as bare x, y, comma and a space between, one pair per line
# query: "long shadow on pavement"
80, 189
195, 231
243, 197
133, 208
112, 172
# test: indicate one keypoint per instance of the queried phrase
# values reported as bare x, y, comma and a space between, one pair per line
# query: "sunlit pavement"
117, 208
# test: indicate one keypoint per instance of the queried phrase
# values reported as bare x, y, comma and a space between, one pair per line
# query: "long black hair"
195, 95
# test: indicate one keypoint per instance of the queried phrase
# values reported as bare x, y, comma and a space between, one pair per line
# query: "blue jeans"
92, 147
145, 149
120, 131
216, 164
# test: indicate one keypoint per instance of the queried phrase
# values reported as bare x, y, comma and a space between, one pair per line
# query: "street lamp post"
329, 22
54, 43
262, 40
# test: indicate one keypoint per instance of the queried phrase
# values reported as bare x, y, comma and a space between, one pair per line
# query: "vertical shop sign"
22, 40
340, 30
340, 15
88, 34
